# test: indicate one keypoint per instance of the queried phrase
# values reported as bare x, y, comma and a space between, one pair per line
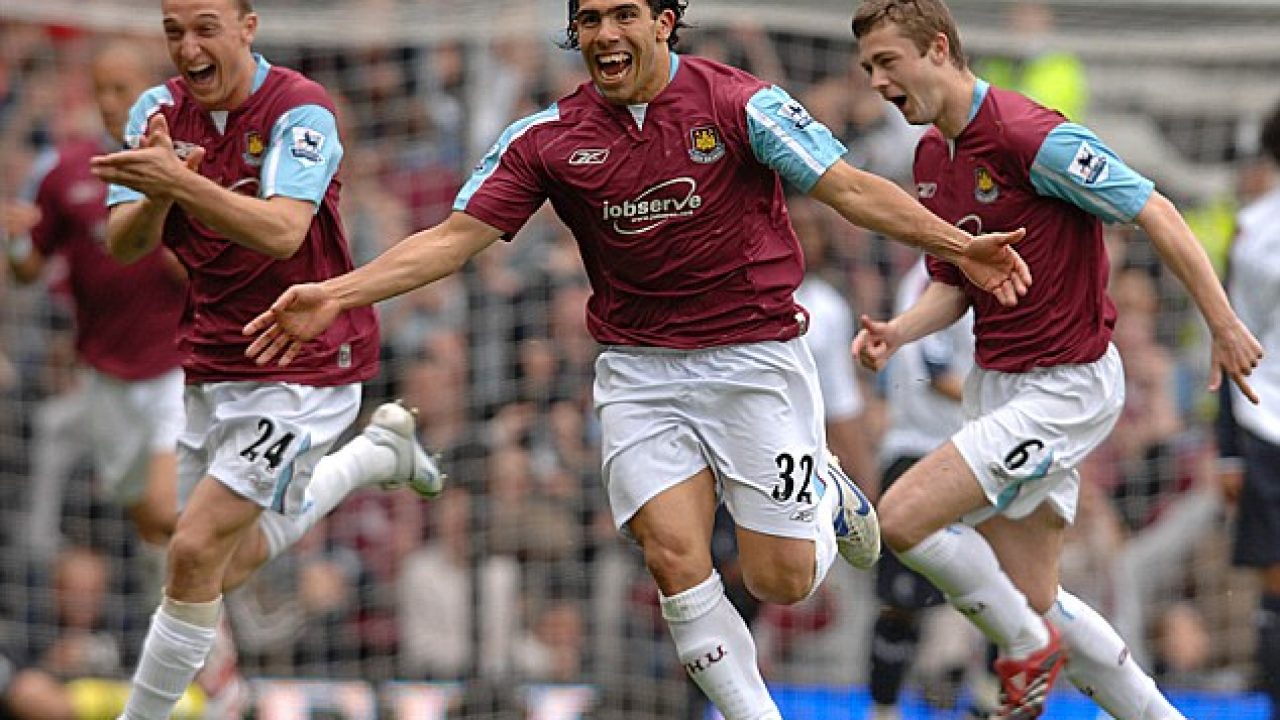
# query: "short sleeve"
1075, 166
302, 155
785, 137
505, 188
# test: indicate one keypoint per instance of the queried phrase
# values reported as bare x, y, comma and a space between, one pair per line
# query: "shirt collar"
980, 89
260, 74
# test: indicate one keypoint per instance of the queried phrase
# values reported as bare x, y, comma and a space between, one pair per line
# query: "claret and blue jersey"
677, 206
1018, 164
282, 141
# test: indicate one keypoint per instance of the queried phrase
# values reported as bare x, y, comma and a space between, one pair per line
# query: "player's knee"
192, 550
782, 581
675, 563
780, 590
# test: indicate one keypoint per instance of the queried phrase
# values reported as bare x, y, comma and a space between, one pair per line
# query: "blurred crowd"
516, 572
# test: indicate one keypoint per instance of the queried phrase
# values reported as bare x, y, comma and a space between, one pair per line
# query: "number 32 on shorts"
794, 473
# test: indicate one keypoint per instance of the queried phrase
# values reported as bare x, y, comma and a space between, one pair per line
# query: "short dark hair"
1270, 140
244, 6
657, 6
919, 20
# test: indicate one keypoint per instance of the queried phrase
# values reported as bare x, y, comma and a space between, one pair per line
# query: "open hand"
300, 314
875, 343
990, 263
155, 168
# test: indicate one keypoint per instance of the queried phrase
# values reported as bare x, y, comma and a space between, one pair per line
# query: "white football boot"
394, 426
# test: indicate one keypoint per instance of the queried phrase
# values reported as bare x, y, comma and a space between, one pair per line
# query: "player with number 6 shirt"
983, 517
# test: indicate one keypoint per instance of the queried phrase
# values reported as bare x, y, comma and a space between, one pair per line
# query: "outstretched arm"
1236, 352
875, 203
305, 311
939, 306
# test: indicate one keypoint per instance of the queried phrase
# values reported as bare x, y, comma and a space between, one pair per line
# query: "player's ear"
249, 27
940, 49
666, 23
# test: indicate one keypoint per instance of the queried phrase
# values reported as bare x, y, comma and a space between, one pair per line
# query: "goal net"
512, 595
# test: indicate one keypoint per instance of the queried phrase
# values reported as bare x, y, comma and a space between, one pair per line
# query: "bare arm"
305, 311
133, 228
939, 306
1235, 350
872, 202
275, 226
877, 204
420, 259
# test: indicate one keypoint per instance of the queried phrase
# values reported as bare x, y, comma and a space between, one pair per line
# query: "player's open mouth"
613, 65
202, 75
899, 100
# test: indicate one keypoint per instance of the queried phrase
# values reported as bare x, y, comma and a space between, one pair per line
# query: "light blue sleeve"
788, 139
302, 155
134, 129
1074, 165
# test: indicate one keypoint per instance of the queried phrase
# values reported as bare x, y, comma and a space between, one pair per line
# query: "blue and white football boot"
856, 523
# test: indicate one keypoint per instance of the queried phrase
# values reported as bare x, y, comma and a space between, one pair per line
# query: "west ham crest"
253, 148
707, 145
985, 189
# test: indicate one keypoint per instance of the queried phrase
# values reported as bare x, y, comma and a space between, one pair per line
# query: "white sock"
1100, 665
177, 642
359, 462
960, 563
825, 543
716, 648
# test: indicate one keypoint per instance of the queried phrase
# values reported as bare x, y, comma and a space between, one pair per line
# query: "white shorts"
129, 421
1025, 433
261, 440
752, 413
